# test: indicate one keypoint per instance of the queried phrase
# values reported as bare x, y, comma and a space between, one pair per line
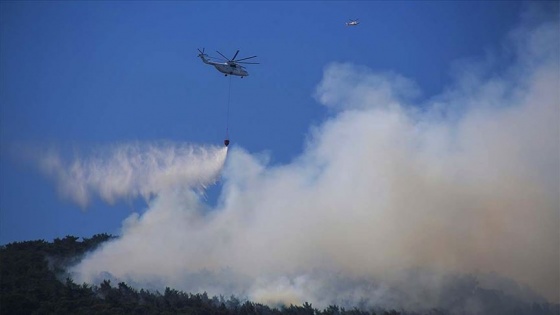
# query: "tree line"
29, 285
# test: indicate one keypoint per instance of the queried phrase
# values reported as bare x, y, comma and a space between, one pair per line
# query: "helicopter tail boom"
203, 56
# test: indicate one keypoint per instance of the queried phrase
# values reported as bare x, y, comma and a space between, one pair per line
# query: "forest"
33, 281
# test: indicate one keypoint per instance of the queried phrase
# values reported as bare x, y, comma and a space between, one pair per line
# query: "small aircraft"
230, 66
352, 22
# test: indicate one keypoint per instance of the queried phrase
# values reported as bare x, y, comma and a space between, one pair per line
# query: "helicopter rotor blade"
245, 58
232, 59
248, 63
223, 55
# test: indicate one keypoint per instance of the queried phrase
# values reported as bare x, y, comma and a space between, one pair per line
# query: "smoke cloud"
130, 170
465, 182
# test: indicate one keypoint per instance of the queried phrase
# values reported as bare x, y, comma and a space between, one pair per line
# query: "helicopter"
352, 22
230, 66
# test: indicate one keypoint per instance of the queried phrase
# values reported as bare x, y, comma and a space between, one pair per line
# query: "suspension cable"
226, 141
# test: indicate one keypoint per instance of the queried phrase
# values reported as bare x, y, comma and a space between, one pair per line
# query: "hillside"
33, 281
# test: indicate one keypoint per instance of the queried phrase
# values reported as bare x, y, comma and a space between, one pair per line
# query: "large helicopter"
230, 66
353, 22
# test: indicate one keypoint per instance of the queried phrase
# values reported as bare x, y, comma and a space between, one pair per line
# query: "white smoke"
130, 170
465, 182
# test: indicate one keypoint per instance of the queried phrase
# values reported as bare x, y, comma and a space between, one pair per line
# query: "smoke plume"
130, 170
389, 196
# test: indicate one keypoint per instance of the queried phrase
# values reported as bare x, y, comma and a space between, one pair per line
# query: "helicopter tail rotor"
202, 54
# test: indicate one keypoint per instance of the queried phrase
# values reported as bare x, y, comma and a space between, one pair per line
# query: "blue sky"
92, 73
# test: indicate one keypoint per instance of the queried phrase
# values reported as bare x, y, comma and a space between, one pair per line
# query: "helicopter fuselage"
226, 68
231, 69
